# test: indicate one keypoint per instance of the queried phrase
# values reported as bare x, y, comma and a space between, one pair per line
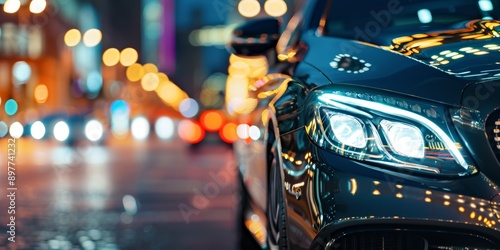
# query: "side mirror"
255, 37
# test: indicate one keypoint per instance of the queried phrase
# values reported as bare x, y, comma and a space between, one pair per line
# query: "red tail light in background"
212, 120
191, 131
228, 132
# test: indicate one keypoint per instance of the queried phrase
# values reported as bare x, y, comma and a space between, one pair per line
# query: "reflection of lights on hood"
485, 5
496, 132
350, 64
353, 186
424, 16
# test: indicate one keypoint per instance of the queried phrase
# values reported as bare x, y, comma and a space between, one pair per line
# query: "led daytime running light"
333, 99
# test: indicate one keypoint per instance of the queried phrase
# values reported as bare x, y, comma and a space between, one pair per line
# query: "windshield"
371, 20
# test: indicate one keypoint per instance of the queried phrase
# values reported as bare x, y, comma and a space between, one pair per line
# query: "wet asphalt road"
122, 195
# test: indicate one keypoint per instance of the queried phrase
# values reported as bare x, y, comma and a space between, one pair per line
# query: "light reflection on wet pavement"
121, 196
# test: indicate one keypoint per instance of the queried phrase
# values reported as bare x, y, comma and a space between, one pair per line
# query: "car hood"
437, 66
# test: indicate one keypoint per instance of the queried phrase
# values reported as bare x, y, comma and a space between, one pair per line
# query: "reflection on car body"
381, 125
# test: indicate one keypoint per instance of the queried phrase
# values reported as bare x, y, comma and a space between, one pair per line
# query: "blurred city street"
117, 120
152, 195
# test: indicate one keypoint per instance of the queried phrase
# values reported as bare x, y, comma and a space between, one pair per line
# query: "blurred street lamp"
92, 37
35, 7
72, 37
135, 72
128, 57
111, 57
275, 8
11, 6
249, 8
150, 82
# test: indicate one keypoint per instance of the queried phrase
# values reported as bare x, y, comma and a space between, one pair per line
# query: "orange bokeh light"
228, 132
212, 120
191, 132
41, 93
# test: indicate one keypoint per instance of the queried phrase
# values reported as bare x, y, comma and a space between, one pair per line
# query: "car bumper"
354, 200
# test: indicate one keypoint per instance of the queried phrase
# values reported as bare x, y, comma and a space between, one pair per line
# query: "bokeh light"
163, 77
61, 131
171, 94
21, 71
128, 57
72, 37
140, 128
243, 131
111, 57
120, 114
164, 128
189, 107
94, 83
37, 6
92, 37
150, 68
41, 93
228, 133
191, 131
275, 8
4, 129
212, 120
94, 130
37, 130
11, 6
150, 81
135, 72
16, 130
249, 8
11, 107
254, 133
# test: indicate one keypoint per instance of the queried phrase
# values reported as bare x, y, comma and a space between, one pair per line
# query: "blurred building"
34, 63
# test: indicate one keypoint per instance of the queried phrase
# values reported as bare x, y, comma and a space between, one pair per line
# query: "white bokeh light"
61, 131
189, 107
37, 130
16, 130
164, 128
243, 131
254, 133
140, 128
94, 130
21, 72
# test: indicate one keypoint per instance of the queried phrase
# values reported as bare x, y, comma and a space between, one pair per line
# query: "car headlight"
394, 132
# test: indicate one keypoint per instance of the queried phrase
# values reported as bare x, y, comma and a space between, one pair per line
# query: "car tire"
276, 221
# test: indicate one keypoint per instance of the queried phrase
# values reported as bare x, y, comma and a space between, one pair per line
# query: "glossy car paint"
327, 194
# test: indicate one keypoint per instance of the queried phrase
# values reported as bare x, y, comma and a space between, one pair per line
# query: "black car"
381, 123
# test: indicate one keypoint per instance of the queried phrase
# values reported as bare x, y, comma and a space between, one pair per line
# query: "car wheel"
276, 210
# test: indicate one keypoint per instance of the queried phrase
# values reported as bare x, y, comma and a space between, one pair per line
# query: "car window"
361, 19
